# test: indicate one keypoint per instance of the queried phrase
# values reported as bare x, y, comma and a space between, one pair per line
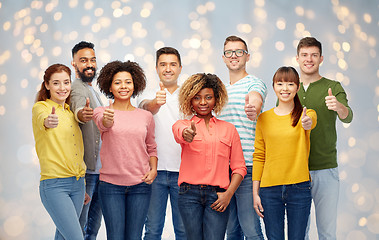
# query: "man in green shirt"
329, 100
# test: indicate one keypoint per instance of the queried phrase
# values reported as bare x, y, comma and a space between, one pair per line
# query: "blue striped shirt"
234, 112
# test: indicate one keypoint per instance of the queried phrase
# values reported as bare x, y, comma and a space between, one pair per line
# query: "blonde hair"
194, 84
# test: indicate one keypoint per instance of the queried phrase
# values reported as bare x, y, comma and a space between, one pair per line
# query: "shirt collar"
56, 105
196, 119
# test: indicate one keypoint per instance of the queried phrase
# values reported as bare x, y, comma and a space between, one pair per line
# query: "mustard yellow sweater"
281, 151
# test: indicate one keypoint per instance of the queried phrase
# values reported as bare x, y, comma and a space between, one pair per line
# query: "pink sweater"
127, 146
207, 159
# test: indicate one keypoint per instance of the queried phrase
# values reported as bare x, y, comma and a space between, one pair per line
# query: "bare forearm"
151, 105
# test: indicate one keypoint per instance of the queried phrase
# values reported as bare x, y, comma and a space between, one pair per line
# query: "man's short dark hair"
168, 50
81, 45
309, 42
235, 39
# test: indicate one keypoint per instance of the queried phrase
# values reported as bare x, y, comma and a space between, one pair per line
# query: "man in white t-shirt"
164, 105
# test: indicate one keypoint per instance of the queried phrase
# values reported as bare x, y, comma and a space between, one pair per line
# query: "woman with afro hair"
210, 147
128, 153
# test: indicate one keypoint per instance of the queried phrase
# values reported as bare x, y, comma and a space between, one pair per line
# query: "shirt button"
303, 97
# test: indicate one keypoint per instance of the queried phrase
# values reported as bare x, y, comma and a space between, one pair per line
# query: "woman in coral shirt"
210, 147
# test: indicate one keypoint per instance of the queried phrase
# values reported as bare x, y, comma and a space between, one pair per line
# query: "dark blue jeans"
199, 219
243, 220
90, 218
295, 199
164, 185
124, 209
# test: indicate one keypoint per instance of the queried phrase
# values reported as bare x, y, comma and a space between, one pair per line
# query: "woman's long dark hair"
289, 74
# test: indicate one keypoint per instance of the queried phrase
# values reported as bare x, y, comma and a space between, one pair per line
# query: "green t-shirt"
323, 153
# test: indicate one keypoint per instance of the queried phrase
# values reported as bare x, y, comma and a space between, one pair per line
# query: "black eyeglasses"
238, 52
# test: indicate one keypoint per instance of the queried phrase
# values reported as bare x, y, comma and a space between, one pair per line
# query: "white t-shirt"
169, 151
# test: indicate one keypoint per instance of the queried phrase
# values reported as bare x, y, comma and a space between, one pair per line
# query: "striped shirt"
234, 112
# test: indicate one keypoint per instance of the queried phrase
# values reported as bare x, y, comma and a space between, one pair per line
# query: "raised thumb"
330, 92
87, 102
161, 86
53, 110
193, 127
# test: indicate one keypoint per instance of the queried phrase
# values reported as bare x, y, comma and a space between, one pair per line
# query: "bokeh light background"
35, 34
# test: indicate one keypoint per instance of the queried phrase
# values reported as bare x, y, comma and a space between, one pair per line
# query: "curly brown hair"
194, 84
105, 79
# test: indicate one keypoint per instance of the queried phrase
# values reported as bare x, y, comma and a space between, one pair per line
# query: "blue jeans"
293, 199
243, 220
90, 218
201, 222
325, 192
124, 209
166, 183
63, 199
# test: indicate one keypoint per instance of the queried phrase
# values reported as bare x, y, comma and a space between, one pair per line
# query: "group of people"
207, 145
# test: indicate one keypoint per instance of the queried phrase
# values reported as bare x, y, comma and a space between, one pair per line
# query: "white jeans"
325, 192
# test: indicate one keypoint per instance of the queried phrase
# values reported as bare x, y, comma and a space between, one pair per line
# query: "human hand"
52, 120
258, 205
87, 199
150, 176
332, 102
250, 110
161, 95
222, 202
189, 133
108, 116
306, 121
86, 113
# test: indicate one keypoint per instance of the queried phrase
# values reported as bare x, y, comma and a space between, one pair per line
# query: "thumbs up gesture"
331, 101
161, 95
306, 121
250, 110
108, 115
189, 133
86, 113
52, 120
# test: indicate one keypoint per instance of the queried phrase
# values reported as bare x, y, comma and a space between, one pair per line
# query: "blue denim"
90, 218
201, 222
325, 192
63, 199
243, 220
124, 209
293, 199
166, 183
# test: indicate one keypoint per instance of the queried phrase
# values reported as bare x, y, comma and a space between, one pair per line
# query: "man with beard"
83, 100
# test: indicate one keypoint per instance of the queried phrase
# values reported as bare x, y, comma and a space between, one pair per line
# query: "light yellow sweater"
281, 151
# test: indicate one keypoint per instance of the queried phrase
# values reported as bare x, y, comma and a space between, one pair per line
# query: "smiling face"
309, 59
285, 91
168, 69
85, 64
203, 103
122, 86
235, 63
59, 86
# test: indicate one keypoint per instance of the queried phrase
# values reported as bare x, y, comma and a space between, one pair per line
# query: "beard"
83, 76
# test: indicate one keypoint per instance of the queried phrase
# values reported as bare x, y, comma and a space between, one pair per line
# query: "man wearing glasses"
246, 95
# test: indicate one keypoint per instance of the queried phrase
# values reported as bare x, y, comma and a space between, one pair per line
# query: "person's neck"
172, 88
307, 79
235, 76
284, 108
123, 105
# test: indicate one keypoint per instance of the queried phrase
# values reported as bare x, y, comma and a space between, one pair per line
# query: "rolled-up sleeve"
237, 160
